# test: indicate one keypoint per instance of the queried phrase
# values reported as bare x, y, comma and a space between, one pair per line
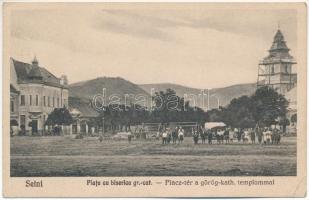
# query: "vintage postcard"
154, 99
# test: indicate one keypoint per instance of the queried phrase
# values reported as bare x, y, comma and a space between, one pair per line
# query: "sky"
196, 46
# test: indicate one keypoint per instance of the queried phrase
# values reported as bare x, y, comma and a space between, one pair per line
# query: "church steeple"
279, 43
275, 70
278, 50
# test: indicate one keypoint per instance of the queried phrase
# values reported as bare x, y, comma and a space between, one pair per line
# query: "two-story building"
35, 92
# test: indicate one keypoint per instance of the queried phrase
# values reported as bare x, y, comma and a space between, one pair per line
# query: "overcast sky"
194, 46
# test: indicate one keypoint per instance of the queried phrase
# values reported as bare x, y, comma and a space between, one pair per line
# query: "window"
22, 100
272, 69
36, 100
12, 106
30, 100
53, 101
22, 120
286, 68
44, 119
57, 102
44, 101
48, 101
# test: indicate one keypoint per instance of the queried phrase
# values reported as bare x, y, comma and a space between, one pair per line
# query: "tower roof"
35, 72
35, 61
279, 42
278, 52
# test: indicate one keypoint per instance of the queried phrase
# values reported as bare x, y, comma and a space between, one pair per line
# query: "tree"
294, 118
171, 108
214, 115
265, 107
59, 116
268, 106
238, 113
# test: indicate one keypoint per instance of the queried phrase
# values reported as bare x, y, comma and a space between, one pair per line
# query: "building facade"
276, 70
84, 115
35, 92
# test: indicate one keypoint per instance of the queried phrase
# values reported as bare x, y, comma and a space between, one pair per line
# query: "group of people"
168, 135
222, 135
229, 135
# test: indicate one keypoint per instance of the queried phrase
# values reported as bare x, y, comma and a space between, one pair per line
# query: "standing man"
227, 136
209, 133
129, 137
203, 135
252, 136
164, 137
195, 136
174, 135
181, 135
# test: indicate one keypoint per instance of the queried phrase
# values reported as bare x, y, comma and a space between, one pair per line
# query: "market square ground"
65, 156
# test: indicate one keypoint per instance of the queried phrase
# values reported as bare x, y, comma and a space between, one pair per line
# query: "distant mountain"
179, 89
224, 95
120, 87
114, 86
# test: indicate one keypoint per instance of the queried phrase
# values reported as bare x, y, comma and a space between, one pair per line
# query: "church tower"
275, 70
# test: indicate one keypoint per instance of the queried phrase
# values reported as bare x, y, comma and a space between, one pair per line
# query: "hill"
120, 90
218, 95
116, 90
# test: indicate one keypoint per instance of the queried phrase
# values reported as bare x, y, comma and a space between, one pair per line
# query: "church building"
276, 71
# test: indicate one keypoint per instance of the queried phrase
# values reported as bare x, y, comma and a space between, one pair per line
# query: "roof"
35, 73
278, 52
210, 125
84, 107
27, 73
13, 89
279, 43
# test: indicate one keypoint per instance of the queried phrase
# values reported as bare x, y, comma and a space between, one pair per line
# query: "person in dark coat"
175, 135
203, 135
209, 134
227, 136
129, 137
195, 136
252, 137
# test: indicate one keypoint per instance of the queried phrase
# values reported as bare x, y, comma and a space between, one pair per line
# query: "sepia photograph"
146, 90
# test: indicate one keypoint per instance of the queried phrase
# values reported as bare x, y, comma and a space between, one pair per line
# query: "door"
34, 126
